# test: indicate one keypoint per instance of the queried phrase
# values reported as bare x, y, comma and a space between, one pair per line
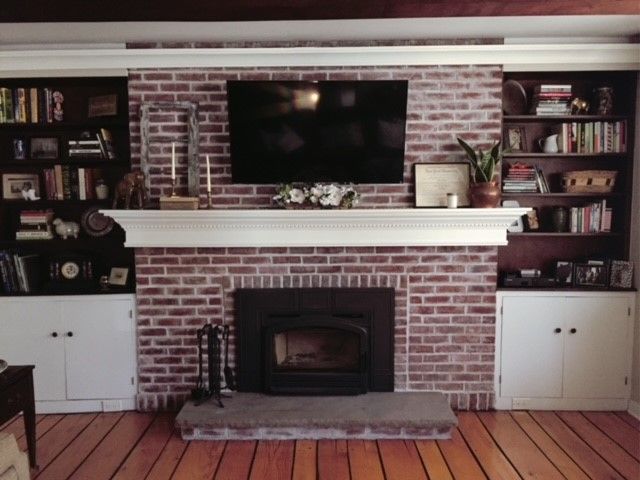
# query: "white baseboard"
510, 403
78, 406
634, 408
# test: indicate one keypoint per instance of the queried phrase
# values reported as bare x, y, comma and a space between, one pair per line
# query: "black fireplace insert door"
315, 356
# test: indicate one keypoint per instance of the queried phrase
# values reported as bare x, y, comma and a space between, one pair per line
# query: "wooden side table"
16, 395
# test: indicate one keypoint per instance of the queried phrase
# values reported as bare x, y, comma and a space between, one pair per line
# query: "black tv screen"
324, 131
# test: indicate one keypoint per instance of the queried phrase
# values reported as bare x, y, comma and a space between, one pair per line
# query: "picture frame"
103, 106
19, 148
118, 276
531, 220
13, 184
621, 274
589, 275
515, 139
564, 273
44, 148
433, 181
518, 225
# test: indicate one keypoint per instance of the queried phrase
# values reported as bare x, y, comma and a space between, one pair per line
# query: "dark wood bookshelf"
542, 249
105, 251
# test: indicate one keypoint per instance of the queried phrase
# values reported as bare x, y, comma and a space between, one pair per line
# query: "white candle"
208, 176
173, 161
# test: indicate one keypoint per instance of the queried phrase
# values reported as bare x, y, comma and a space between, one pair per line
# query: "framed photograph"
518, 225
564, 273
44, 148
531, 220
433, 181
103, 106
515, 139
621, 274
586, 275
13, 184
118, 276
19, 149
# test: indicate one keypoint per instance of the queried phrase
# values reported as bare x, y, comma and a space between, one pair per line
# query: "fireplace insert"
315, 341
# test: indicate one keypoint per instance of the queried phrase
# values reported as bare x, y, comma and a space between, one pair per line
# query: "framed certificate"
433, 181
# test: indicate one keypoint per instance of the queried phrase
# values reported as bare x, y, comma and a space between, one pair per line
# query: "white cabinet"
563, 350
83, 348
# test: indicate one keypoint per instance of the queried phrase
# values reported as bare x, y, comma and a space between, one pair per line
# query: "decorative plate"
95, 223
514, 98
3, 365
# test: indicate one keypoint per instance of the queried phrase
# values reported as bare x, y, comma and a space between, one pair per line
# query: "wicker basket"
589, 181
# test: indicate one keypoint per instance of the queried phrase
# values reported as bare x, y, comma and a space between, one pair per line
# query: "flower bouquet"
316, 195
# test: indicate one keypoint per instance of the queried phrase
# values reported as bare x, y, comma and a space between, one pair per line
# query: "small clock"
70, 270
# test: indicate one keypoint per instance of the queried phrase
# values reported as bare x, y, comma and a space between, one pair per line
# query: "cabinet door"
597, 354
531, 359
100, 354
26, 338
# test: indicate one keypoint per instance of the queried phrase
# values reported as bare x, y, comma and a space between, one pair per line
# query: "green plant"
483, 163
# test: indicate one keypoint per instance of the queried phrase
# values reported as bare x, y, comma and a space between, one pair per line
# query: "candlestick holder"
209, 201
173, 188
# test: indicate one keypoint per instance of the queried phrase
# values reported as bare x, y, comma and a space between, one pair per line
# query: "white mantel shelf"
318, 228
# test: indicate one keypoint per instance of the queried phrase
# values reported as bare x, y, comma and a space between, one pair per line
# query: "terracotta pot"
484, 195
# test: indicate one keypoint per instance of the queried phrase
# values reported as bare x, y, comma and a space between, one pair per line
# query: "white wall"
635, 257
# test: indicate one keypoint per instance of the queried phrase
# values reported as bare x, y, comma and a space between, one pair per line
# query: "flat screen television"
324, 131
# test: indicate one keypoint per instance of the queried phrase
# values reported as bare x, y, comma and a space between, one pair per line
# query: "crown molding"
513, 57
324, 228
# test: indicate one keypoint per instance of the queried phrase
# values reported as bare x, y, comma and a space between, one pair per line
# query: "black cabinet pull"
54, 334
69, 334
558, 330
573, 330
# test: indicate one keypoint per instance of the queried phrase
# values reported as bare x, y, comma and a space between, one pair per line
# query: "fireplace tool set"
215, 335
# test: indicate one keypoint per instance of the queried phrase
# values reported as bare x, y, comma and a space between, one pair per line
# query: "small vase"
560, 219
484, 195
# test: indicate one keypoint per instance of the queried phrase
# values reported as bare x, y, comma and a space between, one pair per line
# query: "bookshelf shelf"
27, 266
543, 248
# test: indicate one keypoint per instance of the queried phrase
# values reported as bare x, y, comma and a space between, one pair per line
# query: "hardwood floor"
486, 445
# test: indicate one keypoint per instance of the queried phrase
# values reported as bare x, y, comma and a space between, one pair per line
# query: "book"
106, 140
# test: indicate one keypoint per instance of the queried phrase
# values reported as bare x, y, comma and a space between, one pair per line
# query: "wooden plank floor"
486, 445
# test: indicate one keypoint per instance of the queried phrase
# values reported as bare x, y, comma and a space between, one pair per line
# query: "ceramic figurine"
66, 229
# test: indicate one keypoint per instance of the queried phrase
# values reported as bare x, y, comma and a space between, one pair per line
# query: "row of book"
551, 99
66, 182
592, 218
35, 225
100, 146
30, 105
594, 137
19, 273
523, 178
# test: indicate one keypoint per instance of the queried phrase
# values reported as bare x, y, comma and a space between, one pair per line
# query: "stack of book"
35, 225
65, 182
98, 147
19, 273
523, 178
551, 99
594, 137
29, 105
592, 218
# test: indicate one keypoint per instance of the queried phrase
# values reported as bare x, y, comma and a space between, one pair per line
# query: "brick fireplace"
444, 295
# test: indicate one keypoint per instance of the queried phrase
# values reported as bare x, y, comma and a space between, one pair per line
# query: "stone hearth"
376, 415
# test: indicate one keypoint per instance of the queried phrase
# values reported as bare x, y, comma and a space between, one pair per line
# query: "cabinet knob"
558, 330
573, 330
69, 334
54, 334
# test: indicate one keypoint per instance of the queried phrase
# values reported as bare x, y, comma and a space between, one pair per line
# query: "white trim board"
514, 57
634, 409
323, 228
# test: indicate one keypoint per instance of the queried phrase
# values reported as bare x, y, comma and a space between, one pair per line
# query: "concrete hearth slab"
370, 416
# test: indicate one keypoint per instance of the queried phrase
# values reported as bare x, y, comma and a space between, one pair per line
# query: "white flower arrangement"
318, 195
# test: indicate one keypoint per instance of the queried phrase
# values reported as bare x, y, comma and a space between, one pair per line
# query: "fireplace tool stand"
214, 353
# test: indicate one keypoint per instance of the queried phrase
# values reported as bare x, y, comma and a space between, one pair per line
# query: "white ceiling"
539, 28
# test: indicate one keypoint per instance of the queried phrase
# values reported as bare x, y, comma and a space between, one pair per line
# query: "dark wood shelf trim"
541, 155
87, 125
563, 289
561, 194
564, 234
564, 118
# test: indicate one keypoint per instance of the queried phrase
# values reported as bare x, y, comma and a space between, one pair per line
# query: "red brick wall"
445, 295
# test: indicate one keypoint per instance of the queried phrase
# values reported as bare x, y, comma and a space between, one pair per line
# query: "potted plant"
483, 190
